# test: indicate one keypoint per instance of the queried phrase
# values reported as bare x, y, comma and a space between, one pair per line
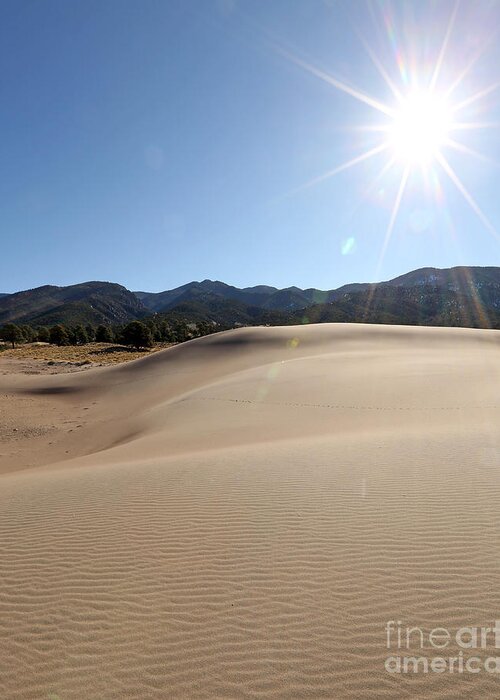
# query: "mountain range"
89, 302
465, 296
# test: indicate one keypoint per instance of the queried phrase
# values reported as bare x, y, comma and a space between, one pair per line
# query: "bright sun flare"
420, 128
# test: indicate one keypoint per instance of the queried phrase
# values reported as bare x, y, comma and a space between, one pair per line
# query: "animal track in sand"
341, 406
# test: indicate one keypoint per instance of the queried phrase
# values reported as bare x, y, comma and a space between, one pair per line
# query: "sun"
420, 128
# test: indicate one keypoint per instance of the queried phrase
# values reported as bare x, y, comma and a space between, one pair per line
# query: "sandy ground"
240, 516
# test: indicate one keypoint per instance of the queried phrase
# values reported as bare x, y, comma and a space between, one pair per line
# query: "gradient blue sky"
152, 143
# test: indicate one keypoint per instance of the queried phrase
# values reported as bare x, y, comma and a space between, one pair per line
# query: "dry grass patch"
92, 353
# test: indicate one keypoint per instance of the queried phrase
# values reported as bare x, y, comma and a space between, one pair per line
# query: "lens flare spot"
348, 246
273, 372
420, 220
262, 392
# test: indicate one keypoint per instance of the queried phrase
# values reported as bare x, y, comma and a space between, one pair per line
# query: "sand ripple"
263, 569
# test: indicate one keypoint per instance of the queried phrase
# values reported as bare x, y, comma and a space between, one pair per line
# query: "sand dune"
239, 516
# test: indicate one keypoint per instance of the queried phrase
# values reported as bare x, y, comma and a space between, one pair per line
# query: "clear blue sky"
154, 142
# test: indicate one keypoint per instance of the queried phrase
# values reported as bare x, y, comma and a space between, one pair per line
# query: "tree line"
137, 334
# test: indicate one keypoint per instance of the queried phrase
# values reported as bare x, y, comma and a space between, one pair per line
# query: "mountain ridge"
86, 302
294, 298
437, 290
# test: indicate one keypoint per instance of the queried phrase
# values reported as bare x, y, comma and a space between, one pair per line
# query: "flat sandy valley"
240, 516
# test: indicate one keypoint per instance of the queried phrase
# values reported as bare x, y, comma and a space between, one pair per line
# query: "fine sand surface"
239, 516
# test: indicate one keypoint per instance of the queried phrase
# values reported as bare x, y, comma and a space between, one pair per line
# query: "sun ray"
340, 168
380, 128
371, 186
394, 215
381, 174
468, 126
477, 96
444, 46
453, 86
388, 235
378, 65
461, 148
327, 78
481, 310
466, 195
398, 54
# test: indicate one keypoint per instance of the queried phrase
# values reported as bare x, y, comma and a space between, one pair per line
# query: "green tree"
138, 335
90, 333
43, 334
153, 327
204, 328
182, 332
166, 332
81, 337
70, 330
12, 334
58, 335
103, 334
29, 335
